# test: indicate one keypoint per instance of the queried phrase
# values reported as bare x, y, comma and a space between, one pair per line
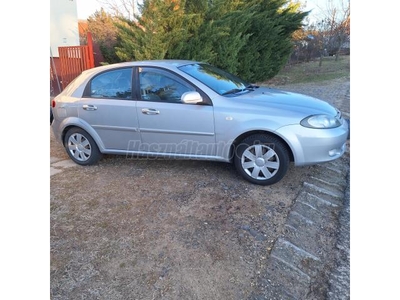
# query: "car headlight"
322, 121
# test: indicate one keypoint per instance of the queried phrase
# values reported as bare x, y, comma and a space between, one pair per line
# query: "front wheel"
81, 147
262, 159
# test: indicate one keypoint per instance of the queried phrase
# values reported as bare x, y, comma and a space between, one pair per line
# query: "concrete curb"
303, 264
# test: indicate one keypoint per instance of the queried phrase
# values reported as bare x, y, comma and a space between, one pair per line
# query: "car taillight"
53, 103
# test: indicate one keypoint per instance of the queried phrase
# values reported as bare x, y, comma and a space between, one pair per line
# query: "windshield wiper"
233, 91
247, 88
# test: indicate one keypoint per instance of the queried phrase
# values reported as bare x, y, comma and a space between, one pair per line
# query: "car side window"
116, 84
160, 86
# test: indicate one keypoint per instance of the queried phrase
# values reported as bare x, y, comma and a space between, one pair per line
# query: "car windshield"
216, 79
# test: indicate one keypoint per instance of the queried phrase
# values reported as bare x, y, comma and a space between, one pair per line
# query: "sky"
88, 7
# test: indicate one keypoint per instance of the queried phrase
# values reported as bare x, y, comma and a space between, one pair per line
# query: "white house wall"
64, 29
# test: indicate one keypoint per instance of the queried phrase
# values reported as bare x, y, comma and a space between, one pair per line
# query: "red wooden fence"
74, 60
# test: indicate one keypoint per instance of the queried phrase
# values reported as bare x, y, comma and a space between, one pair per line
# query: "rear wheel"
262, 159
81, 147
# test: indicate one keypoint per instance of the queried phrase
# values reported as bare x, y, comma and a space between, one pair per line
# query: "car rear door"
108, 105
166, 124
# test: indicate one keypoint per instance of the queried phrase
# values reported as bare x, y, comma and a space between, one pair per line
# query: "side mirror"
191, 98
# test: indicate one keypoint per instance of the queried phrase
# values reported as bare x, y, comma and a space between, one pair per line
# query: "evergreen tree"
158, 33
270, 43
249, 38
220, 36
105, 34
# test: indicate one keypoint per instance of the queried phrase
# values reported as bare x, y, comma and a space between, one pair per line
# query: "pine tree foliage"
105, 34
249, 38
270, 43
158, 33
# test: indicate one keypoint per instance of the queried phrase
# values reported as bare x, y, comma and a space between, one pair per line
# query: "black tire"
262, 159
81, 147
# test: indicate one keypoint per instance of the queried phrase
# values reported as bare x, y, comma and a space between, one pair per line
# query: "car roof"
168, 63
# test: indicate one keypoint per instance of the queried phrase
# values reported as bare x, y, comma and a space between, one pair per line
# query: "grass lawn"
312, 72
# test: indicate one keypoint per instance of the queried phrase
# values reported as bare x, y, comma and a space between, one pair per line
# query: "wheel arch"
66, 129
82, 148
244, 135
92, 133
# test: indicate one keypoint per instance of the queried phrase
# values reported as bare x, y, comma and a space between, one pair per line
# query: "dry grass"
311, 72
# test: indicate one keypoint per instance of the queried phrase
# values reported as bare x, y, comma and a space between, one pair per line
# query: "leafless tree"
335, 27
122, 8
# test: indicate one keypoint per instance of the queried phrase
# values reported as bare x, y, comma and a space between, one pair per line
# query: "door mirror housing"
191, 98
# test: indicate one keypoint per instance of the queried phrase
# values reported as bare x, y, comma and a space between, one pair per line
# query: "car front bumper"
312, 146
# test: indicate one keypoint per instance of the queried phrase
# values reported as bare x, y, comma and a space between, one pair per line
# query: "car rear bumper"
55, 127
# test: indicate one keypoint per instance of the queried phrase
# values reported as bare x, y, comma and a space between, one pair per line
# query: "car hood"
275, 99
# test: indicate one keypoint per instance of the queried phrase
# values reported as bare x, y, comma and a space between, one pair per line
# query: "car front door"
166, 124
108, 105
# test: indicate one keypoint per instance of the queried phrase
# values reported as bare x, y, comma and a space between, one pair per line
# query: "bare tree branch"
122, 8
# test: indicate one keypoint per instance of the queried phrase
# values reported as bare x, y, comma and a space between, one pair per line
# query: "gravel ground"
129, 228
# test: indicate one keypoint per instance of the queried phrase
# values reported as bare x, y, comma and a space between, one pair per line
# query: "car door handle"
89, 107
150, 111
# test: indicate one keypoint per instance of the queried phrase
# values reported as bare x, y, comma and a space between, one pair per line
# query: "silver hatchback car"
192, 110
